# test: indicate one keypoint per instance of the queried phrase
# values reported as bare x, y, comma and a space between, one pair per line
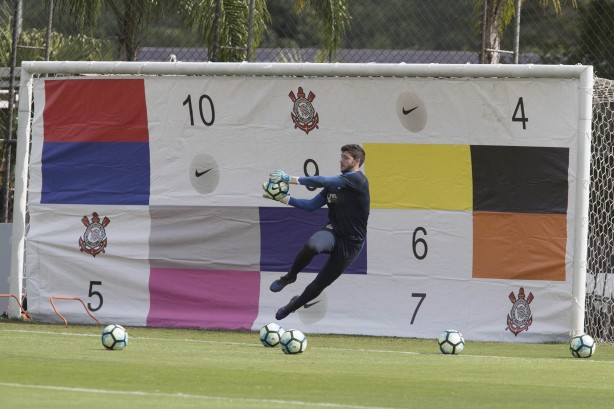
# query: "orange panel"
520, 246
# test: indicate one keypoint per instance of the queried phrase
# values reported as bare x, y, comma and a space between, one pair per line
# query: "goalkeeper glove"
279, 175
280, 197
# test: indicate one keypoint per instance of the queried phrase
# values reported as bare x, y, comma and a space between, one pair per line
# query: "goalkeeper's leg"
340, 259
322, 241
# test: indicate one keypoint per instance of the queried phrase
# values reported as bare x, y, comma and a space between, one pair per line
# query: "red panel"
95, 110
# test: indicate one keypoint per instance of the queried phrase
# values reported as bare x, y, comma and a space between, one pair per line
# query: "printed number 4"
522, 118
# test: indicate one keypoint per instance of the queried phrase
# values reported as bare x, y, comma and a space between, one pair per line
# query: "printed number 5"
93, 293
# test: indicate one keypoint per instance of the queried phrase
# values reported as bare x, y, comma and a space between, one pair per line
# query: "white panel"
56, 266
385, 305
420, 243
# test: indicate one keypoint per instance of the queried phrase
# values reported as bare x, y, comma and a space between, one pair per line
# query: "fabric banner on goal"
145, 201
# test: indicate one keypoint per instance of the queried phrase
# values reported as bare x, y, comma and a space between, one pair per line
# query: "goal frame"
582, 73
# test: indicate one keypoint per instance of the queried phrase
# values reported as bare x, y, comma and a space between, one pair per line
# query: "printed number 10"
188, 102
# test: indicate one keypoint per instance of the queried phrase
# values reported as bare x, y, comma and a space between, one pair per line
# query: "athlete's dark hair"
357, 152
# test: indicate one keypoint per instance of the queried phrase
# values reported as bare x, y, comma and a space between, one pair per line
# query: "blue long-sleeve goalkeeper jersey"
348, 200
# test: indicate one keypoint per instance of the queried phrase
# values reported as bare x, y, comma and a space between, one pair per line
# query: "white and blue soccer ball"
451, 342
582, 346
277, 190
293, 341
270, 334
114, 337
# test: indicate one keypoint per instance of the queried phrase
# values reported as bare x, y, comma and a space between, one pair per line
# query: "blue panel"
95, 173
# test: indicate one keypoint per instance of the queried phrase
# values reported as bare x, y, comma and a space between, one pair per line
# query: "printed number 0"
93, 293
415, 242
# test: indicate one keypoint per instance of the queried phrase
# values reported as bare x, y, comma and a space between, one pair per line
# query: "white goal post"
485, 106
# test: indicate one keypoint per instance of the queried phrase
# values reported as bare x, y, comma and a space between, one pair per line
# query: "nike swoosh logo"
408, 111
199, 174
311, 304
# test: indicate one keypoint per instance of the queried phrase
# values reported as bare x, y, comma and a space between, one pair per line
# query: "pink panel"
203, 298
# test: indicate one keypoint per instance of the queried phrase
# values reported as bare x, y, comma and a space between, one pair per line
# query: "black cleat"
283, 281
287, 309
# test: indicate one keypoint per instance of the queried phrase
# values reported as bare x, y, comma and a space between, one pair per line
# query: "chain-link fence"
600, 267
392, 31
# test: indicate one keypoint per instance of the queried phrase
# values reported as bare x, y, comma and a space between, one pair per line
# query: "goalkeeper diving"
343, 236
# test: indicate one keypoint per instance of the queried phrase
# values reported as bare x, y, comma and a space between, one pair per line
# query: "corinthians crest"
303, 114
520, 317
94, 239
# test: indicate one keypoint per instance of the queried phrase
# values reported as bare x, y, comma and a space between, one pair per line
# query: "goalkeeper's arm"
313, 181
311, 205
321, 181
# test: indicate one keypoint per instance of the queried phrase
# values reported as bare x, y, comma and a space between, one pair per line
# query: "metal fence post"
11, 102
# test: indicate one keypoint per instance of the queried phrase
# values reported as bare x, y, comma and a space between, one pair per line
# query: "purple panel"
203, 298
284, 231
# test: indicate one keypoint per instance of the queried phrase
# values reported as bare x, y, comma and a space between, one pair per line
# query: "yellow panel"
407, 176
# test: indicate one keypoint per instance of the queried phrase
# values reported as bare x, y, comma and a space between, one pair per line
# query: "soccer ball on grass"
451, 342
582, 346
277, 190
270, 334
114, 337
293, 341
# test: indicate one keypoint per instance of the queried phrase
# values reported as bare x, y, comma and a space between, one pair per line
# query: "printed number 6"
415, 242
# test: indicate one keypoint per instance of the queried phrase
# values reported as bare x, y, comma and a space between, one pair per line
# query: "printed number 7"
422, 296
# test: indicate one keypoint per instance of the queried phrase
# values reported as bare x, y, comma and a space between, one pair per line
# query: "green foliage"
597, 41
233, 25
131, 18
334, 19
62, 48
509, 7
412, 24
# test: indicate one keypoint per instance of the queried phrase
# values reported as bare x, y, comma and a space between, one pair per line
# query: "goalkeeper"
343, 237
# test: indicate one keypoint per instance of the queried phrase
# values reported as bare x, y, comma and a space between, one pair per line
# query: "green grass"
50, 366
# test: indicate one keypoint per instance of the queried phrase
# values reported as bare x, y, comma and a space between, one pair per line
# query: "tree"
221, 24
232, 17
597, 34
497, 14
131, 16
335, 18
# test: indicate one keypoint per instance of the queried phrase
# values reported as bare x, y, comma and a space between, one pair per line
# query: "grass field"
52, 366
